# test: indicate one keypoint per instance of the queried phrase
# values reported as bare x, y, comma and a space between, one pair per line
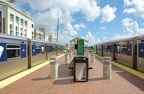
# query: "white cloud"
88, 7
108, 14
79, 26
90, 38
69, 29
102, 28
63, 39
126, 22
49, 18
131, 28
142, 23
135, 7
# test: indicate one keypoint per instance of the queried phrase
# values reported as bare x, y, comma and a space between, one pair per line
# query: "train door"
114, 51
135, 58
102, 50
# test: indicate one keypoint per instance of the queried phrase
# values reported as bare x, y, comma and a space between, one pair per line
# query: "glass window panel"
38, 49
13, 51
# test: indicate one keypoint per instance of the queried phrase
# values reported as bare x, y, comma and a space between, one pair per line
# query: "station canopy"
75, 40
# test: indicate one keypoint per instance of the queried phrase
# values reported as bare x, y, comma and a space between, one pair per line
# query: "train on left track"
18, 54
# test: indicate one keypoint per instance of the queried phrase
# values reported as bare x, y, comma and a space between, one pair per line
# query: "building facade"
15, 22
41, 34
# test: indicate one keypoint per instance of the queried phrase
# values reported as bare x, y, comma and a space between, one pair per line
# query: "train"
128, 51
18, 54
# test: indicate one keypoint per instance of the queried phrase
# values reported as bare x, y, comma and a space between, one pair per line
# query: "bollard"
92, 57
67, 57
107, 67
70, 53
53, 68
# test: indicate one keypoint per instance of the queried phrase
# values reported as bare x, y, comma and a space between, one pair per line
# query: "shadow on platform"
136, 81
63, 72
63, 81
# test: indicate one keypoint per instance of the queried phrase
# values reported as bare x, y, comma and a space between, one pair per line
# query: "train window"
123, 49
107, 48
38, 49
13, 51
142, 40
51, 48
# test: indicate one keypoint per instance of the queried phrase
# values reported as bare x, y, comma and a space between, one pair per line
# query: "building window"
13, 51
10, 26
25, 22
32, 33
21, 21
11, 16
16, 28
21, 34
17, 34
0, 25
25, 35
17, 19
11, 32
0, 31
25, 30
32, 25
21, 29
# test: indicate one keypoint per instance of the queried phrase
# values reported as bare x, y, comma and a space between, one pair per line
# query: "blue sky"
94, 20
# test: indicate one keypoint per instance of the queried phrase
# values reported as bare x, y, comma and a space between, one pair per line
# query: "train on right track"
128, 51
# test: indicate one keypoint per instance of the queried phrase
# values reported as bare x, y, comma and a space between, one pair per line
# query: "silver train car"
18, 54
128, 51
140, 54
13, 55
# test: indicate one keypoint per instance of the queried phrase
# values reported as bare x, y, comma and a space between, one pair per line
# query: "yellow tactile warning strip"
12, 79
134, 72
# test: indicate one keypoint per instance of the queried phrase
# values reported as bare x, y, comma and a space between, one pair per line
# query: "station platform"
39, 82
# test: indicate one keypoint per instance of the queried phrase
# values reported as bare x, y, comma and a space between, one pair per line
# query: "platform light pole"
57, 26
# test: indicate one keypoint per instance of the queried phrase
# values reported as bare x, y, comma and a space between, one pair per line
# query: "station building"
15, 22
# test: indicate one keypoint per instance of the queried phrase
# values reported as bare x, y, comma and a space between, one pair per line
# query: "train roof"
118, 40
45, 42
141, 37
6, 36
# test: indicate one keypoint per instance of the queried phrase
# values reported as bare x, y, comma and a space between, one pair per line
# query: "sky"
94, 20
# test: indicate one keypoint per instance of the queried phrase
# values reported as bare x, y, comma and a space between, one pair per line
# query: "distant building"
41, 34
15, 22
52, 38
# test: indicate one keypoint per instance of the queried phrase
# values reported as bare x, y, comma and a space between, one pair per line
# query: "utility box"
107, 67
80, 69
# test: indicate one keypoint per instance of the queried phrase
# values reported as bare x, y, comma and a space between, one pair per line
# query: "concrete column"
53, 68
70, 53
92, 57
67, 57
107, 67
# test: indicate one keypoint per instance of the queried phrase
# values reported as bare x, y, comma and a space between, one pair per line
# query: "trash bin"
107, 67
80, 69
54, 67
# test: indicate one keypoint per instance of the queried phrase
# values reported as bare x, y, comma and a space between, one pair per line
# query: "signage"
80, 46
